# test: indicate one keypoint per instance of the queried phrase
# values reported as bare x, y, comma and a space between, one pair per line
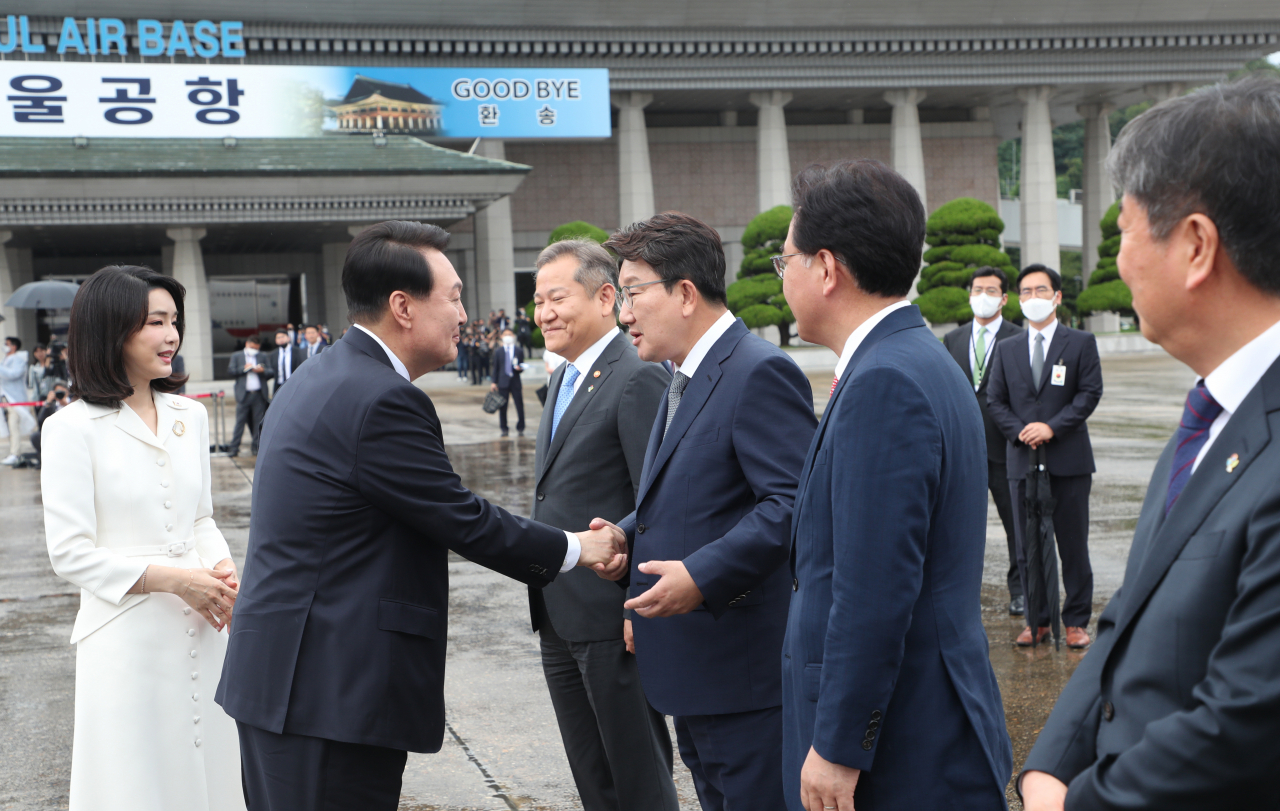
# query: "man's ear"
1200, 246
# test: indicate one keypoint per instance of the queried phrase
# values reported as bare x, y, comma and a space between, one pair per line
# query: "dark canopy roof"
364, 87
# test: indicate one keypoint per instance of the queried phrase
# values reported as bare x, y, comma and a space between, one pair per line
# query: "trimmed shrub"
578, 230
1113, 296
963, 234
1107, 292
757, 297
944, 305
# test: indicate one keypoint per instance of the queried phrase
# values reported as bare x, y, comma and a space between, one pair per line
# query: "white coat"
116, 499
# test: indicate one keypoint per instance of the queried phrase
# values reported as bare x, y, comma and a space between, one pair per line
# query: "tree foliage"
578, 230
1106, 291
962, 235
757, 297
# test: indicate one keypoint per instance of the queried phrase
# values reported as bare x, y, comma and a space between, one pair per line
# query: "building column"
906, 147
188, 269
495, 245
332, 257
635, 176
1099, 194
1038, 198
9, 282
773, 158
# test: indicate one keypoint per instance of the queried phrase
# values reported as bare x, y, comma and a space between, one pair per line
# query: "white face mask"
508, 340
1038, 309
984, 306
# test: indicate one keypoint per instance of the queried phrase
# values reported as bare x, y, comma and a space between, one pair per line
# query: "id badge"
1059, 377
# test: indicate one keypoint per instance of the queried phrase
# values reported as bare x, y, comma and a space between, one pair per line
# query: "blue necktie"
564, 397
1200, 412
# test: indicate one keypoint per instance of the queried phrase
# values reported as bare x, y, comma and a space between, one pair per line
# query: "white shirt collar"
1047, 332
400, 368
1236, 376
860, 334
590, 355
992, 328
703, 345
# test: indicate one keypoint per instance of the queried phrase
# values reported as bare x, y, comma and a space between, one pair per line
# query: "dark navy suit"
885, 665
717, 494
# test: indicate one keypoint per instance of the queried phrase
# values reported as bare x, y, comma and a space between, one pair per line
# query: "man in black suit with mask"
973, 345
287, 359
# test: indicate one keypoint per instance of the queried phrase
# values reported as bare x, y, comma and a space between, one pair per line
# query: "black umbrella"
1041, 550
46, 295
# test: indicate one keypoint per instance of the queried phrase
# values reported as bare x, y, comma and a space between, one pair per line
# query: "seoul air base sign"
206, 100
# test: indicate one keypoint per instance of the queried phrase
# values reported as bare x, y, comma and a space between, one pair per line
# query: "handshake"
604, 549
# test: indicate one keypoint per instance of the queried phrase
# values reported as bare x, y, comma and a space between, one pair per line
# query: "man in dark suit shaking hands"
709, 533
891, 702
973, 345
1042, 390
591, 445
335, 666
1177, 705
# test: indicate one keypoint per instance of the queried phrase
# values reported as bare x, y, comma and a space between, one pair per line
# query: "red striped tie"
834, 381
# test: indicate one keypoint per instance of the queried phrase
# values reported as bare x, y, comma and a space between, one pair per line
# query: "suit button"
795, 584
873, 726
160, 462
876, 716
168, 505
541, 496
866, 745
640, 528
1108, 711
164, 483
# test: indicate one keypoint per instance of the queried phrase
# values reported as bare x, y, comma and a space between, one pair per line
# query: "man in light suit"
1176, 707
287, 359
507, 360
891, 702
335, 666
591, 445
709, 532
973, 346
251, 370
1042, 390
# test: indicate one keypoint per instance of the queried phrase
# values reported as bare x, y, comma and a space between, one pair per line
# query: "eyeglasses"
994, 292
780, 262
1042, 291
628, 297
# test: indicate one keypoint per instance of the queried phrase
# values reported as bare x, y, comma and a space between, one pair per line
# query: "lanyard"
980, 364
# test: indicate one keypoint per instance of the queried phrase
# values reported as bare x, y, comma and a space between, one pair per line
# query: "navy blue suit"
885, 665
717, 493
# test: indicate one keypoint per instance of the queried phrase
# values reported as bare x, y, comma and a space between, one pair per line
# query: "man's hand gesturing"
604, 549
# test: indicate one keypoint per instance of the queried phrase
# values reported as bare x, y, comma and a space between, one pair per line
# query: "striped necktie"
1198, 414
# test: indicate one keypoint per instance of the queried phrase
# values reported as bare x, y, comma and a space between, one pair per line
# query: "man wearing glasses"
1040, 394
710, 534
973, 345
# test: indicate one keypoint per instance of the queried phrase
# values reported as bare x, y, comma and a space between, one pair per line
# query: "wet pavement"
502, 749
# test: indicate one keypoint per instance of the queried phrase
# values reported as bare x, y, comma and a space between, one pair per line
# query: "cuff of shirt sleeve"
572, 553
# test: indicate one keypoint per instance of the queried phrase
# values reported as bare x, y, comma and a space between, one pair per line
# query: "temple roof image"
364, 87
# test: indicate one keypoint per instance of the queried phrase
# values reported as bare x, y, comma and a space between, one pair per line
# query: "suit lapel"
586, 391
1052, 352
960, 351
544, 427
1245, 434
127, 420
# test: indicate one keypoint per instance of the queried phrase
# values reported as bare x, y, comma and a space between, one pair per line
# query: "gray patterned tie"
673, 398
1037, 360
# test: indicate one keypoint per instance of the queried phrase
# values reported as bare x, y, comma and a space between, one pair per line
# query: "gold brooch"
596, 373
178, 428
1233, 461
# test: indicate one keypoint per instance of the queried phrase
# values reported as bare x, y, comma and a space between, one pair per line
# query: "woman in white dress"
129, 519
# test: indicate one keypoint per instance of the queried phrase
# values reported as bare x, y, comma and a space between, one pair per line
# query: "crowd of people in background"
36, 377
482, 337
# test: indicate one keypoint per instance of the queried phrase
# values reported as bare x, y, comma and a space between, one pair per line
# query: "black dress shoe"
1018, 606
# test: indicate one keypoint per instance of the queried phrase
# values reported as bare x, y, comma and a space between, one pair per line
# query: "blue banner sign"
141, 100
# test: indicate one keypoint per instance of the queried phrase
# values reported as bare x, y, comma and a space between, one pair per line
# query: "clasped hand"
1036, 434
604, 549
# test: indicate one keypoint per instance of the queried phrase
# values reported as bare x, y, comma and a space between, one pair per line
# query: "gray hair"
1215, 152
596, 266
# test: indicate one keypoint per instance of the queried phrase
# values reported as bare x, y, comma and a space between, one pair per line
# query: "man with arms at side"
1041, 392
251, 370
595, 426
890, 699
287, 359
335, 666
507, 360
973, 345
313, 344
1176, 706
709, 531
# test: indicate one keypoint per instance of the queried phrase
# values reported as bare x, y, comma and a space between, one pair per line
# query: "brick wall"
715, 182
569, 181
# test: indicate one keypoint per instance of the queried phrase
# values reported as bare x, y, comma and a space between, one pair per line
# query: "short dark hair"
1216, 152
15, 340
866, 214
677, 246
985, 271
283, 332
1054, 279
255, 338
384, 258
109, 309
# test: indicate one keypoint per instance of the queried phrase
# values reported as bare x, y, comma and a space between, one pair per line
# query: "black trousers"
618, 747
249, 411
1071, 530
299, 773
735, 759
513, 391
998, 484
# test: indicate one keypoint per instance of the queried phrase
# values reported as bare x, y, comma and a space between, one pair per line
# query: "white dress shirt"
1236, 376
703, 345
991, 331
251, 381
860, 334
283, 358
589, 357
1047, 332
574, 550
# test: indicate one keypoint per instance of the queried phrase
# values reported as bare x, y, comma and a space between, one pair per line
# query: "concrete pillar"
188, 268
495, 245
773, 158
635, 176
1039, 195
332, 257
1099, 194
1163, 91
906, 149
9, 282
